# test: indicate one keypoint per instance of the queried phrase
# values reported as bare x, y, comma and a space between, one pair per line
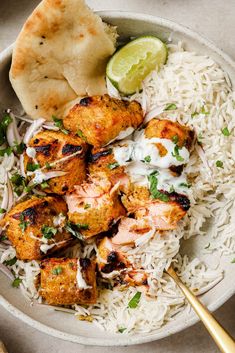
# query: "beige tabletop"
213, 19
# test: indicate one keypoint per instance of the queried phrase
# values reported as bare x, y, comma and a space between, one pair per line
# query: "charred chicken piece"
94, 206
100, 119
109, 258
36, 227
164, 214
67, 281
113, 263
102, 160
167, 129
55, 151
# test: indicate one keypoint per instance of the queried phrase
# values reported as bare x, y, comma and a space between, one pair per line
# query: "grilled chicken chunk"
102, 160
65, 153
130, 229
171, 130
94, 206
36, 227
112, 263
67, 281
100, 119
109, 258
164, 214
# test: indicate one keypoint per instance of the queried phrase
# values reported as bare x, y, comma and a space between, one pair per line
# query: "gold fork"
221, 337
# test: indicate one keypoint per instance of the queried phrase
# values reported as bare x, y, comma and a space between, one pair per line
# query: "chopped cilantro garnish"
172, 189
233, 261
44, 185
10, 262
19, 148
185, 185
133, 303
155, 193
82, 226
19, 183
80, 134
87, 206
72, 228
207, 247
175, 139
3, 237
18, 180
8, 150
17, 281
23, 224
31, 167
203, 111
57, 270
176, 154
59, 123
121, 329
48, 232
113, 165
199, 137
225, 131
171, 106
194, 114
147, 159
219, 164
47, 165
2, 210
6, 120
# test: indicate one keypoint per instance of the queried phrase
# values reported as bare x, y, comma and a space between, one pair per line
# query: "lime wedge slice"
129, 66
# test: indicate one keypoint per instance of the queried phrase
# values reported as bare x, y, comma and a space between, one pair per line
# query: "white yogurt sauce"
142, 147
80, 280
125, 133
132, 154
147, 147
123, 152
31, 152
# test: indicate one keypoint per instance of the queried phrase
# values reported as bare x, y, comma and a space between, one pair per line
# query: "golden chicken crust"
170, 130
165, 214
52, 146
101, 118
95, 206
23, 226
59, 284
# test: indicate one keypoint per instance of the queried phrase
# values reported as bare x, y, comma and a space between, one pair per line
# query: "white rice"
195, 84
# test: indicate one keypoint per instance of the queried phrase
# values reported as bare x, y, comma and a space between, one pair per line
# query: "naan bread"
60, 54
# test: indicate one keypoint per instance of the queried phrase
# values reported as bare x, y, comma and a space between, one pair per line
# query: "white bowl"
66, 326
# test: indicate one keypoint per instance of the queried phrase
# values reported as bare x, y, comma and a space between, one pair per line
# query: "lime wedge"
129, 66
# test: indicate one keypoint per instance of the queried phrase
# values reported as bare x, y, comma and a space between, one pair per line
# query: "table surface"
214, 20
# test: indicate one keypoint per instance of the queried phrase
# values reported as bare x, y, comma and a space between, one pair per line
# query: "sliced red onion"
10, 195
4, 204
4, 269
153, 113
39, 192
40, 176
22, 172
34, 127
50, 126
12, 133
112, 91
52, 164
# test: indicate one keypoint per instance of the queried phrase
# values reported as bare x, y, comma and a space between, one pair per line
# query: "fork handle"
221, 337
